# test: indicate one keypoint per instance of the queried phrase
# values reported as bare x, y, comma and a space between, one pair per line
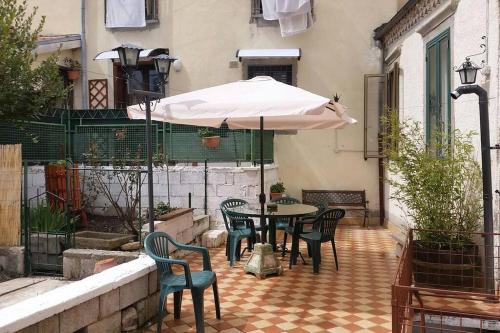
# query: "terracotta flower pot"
73, 75
276, 195
211, 141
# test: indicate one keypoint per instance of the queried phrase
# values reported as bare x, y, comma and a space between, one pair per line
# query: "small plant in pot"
73, 68
437, 183
209, 138
277, 190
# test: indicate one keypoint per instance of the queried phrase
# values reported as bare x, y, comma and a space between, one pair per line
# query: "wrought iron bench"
347, 200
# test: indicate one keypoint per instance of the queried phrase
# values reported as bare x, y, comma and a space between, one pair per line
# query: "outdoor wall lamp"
468, 72
129, 59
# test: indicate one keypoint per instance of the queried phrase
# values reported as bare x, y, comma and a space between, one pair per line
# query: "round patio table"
290, 211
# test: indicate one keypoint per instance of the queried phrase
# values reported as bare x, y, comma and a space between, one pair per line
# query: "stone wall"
122, 298
222, 182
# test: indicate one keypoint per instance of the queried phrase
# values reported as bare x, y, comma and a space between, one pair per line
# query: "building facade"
422, 44
335, 53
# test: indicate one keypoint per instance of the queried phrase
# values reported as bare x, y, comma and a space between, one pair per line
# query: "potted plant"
437, 183
277, 190
209, 138
73, 68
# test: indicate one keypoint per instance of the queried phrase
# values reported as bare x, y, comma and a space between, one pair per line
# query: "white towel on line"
294, 15
125, 13
293, 25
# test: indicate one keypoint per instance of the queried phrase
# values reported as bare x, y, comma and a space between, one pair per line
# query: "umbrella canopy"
241, 104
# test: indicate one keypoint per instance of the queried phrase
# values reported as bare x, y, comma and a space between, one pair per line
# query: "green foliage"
206, 132
163, 208
72, 63
278, 188
43, 219
26, 89
437, 184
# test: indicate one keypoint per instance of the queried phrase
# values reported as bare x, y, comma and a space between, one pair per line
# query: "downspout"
83, 57
484, 125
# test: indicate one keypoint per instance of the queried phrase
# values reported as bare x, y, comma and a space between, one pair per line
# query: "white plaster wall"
472, 19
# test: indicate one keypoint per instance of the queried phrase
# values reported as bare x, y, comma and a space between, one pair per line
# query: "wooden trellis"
98, 94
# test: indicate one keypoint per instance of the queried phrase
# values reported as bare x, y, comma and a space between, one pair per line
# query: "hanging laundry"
269, 10
125, 13
294, 16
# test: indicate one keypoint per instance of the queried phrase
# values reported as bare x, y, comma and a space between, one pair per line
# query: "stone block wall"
223, 182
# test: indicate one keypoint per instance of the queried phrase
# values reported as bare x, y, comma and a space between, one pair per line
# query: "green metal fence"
110, 134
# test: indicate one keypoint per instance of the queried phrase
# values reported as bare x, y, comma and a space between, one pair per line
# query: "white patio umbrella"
260, 103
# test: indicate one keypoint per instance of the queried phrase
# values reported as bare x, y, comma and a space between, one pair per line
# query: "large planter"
458, 268
55, 183
211, 141
100, 240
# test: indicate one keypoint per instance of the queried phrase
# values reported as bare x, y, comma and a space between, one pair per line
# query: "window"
145, 77
438, 106
256, 13
282, 73
151, 11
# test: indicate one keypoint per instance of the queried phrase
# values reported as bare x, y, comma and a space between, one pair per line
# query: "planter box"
178, 224
100, 240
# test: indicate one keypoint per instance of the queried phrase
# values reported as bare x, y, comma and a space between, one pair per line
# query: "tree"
26, 89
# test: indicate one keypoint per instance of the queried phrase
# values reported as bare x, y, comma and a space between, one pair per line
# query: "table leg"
272, 233
263, 233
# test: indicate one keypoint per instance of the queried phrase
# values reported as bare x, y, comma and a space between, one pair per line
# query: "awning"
53, 43
268, 53
106, 55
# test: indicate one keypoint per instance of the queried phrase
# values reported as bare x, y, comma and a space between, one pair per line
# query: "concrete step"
201, 223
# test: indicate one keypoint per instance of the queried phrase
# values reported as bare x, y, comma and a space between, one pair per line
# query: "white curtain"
125, 13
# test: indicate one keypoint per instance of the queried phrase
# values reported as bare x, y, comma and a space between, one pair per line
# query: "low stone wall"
80, 263
121, 298
12, 260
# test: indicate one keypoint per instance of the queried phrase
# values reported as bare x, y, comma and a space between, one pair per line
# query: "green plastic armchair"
156, 245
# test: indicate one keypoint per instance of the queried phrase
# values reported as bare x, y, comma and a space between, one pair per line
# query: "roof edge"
384, 28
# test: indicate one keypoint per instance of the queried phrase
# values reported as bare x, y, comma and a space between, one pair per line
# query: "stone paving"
357, 298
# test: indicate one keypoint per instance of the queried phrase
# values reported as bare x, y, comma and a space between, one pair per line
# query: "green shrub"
437, 182
278, 188
43, 219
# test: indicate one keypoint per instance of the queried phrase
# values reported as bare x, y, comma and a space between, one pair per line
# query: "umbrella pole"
262, 196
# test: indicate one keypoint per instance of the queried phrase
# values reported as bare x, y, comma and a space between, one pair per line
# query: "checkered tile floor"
357, 298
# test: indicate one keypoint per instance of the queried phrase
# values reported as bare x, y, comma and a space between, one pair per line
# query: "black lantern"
129, 55
162, 65
468, 71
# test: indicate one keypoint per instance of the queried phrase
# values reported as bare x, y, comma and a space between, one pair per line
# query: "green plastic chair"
323, 230
156, 246
285, 224
242, 223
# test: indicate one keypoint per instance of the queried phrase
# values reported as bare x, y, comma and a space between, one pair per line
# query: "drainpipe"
486, 167
83, 57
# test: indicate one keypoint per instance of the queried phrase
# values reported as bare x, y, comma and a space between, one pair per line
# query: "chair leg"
228, 240
177, 304
198, 309
216, 299
238, 251
335, 254
161, 309
284, 245
316, 246
309, 250
233, 251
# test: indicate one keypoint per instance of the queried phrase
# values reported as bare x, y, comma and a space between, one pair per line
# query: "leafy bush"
278, 188
437, 182
163, 208
206, 132
44, 219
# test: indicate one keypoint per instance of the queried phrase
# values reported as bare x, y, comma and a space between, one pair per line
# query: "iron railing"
441, 284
